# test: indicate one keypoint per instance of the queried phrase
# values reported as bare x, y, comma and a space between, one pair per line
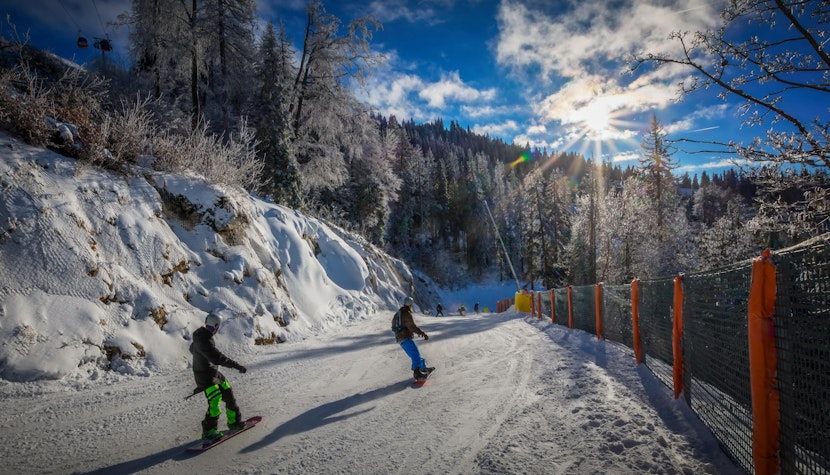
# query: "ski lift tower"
105, 46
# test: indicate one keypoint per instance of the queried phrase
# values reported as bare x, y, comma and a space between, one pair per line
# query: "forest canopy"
205, 91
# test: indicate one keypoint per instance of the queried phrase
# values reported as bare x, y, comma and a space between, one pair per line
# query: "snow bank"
102, 269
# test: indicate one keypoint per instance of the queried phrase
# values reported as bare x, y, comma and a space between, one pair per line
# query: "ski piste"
420, 382
202, 446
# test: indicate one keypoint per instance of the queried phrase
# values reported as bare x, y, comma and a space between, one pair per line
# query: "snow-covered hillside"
101, 270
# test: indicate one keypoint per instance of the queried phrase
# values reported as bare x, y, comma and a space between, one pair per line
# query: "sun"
597, 118
596, 126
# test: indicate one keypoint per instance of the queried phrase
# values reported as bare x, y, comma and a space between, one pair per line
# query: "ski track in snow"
511, 395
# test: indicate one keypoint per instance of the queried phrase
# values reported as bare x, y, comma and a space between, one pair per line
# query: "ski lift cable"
81, 41
103, 28
71, 18
483, 199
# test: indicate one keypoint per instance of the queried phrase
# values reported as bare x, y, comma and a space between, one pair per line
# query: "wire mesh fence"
616, 314
561, 306
802, 335
584, 307
716, 356
656, 310
715, 350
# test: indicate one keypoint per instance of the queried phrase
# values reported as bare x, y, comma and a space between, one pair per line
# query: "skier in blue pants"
404, 327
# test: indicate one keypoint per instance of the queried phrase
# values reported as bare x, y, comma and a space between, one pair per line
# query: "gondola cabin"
103, 44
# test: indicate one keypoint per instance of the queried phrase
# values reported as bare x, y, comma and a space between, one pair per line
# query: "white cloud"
589, 35
408, 95
452, 88
626, 156
537, 142
387, 11
716, 164
692, 122
537, 129
476, 111
497, 130
575, 53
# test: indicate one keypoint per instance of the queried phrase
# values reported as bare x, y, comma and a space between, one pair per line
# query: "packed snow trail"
512, 395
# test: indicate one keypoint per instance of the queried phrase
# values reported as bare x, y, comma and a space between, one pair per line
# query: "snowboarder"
206, 361
404, 327
462, 309
439, 310
475, 308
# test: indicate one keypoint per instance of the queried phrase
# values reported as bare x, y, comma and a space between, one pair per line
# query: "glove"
426, 337
242, 369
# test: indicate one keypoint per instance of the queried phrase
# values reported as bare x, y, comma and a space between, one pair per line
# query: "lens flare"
525, 157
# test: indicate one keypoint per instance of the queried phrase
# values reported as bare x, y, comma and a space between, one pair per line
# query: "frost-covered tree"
622, 234
271, 117
656, 165
583, 247
409, 230
159, 50
771, 57
226, 32
321, 103
723, 235
727, 240
201, 49
372, 183
546, 225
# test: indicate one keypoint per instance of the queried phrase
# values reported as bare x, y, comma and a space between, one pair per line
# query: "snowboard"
202, 445
420, 382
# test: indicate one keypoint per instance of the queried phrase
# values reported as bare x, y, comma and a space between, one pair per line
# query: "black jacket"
207, 359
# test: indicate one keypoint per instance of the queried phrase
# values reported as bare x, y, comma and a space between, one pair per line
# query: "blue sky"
547, 73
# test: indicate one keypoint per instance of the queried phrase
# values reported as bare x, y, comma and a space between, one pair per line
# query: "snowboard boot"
238, 425
212, 435
422, 373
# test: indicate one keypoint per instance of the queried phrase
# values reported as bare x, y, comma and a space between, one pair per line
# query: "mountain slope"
102, 270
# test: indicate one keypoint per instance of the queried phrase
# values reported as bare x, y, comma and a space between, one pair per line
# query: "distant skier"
206, 360
439, 311
475, 308
462, 309
404, 327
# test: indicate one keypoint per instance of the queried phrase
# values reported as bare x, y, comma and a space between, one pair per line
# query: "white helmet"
213, 321
408, 302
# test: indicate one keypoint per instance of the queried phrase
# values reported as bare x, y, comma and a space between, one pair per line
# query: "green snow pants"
215, 395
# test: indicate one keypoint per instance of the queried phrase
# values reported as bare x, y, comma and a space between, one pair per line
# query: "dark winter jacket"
207, 359
408, 328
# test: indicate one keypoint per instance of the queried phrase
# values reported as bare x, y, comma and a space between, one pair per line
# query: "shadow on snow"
326, 414
143, 463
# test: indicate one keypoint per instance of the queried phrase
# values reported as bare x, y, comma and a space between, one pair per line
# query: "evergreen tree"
159, 53
373, 183
656, 167
282, 180
227, 35
583, 247
546, 227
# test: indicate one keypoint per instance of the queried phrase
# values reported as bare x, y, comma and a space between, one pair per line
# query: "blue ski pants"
411, 350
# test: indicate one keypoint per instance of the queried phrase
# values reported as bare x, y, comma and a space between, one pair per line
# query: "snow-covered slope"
103, 270
512, 395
